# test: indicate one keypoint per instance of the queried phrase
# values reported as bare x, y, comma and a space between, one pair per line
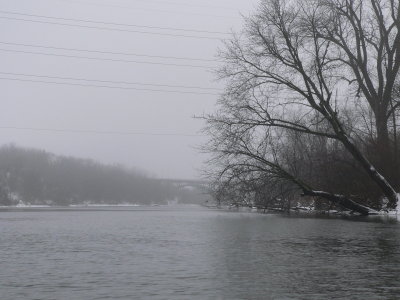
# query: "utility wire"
108, 81
106, 59
109, 87
151, 9
85, 131
110, 52
184, 4
113, 23
113, 29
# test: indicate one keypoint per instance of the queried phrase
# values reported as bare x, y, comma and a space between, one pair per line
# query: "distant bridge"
183, 183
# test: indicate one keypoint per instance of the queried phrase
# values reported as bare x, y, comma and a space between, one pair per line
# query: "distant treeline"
38, 177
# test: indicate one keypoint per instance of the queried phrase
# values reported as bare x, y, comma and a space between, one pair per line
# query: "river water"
194, 253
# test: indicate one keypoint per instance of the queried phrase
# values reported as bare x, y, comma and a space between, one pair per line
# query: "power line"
184, 4
150, 9
85, 131
110, 52
106, 59
113, 29
108, 81
113, 23
109, 87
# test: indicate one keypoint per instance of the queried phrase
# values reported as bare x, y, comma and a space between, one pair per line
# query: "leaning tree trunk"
384, 185
342, 201
332, 198
380, 180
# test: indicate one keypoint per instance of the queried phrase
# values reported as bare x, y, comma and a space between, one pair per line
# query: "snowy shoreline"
23, 206
306, 211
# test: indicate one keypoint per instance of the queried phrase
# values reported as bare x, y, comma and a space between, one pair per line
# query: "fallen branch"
342, 201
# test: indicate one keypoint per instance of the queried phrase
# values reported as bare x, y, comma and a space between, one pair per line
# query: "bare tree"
248, 154
302, 63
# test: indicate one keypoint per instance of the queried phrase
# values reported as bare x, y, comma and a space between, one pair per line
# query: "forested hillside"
37, 177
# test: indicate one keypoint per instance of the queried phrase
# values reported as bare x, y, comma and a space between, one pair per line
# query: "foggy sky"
142, 114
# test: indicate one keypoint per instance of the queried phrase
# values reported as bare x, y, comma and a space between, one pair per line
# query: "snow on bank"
390, 212
104, 205
28, 205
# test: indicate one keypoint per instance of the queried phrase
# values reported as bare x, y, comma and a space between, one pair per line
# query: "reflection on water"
193, 253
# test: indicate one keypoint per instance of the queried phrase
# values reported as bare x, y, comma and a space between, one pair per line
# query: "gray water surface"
194, 253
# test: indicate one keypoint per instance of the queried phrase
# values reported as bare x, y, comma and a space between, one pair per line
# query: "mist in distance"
32, 177
115, 81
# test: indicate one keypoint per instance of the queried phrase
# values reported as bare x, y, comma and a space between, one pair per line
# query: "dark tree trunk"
384, 151
341, 200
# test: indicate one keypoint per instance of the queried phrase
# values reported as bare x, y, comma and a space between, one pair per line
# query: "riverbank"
310, 212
